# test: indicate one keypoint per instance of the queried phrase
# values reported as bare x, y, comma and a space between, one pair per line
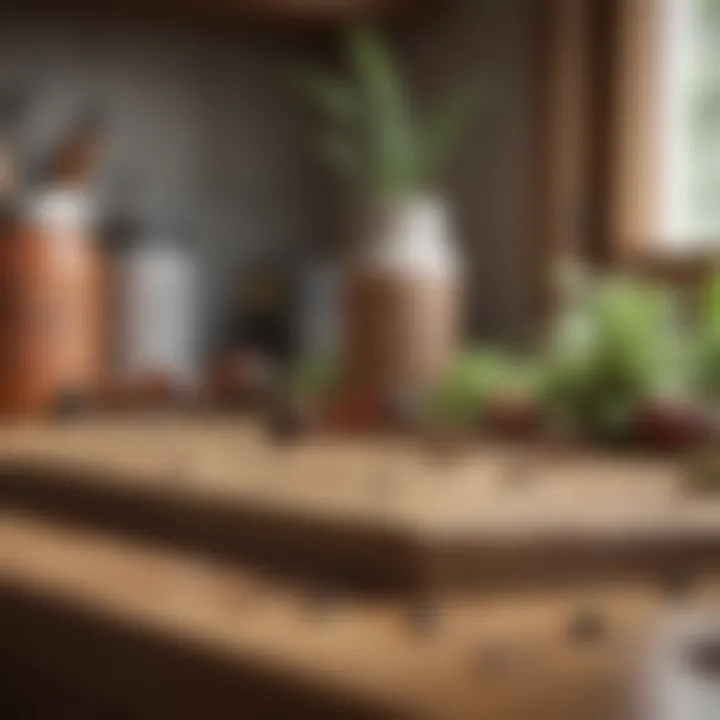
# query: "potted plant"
402, 282
490, 390
618, 367
708, 355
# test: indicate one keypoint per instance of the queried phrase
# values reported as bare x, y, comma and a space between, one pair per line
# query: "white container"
673, 686
158, 312
412, 237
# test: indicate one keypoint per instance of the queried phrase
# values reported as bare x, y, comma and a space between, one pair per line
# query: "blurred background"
467, 251
204, 139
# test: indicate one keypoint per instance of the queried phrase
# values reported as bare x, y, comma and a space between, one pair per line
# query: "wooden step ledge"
169, 635
371, 515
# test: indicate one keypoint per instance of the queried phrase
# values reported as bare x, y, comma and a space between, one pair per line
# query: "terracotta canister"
26, 319
403, 297
51, 330
62, 219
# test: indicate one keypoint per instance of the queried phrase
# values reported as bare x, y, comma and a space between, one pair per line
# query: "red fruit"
354, 410
513, 417
668, 426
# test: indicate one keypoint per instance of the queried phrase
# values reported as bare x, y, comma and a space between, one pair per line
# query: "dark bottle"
262, 318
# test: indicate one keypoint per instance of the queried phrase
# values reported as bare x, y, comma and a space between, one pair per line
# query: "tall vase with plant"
403, 275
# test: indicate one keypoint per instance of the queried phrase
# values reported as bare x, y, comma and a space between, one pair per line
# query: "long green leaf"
710, 304
377, 141
389, 125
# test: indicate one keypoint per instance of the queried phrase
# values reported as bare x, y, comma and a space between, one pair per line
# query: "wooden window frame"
634, 180
633, 190
561, 159
598, 164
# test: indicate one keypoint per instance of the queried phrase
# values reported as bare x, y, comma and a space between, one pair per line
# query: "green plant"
612, 353
375, 137
476, 378
708, 350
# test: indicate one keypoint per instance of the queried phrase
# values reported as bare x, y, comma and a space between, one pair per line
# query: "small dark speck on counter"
490, 659
425, 615
517, 472
322, 600
587, 626
71, 404
677, 584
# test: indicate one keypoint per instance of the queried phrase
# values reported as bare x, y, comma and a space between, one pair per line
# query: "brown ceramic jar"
51, 331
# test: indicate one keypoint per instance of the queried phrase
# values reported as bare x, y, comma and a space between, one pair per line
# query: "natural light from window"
689, 207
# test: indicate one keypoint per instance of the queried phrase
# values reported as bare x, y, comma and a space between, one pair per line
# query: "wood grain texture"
376, 514
174, 636
634, 199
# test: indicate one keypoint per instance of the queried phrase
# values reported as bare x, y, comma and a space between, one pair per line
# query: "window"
631, 140
688, 183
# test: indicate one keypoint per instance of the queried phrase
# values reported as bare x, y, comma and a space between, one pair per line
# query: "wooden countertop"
379, 511
491, 490
360, 649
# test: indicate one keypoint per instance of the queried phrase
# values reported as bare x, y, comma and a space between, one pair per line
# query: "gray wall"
490, 180
204, 117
